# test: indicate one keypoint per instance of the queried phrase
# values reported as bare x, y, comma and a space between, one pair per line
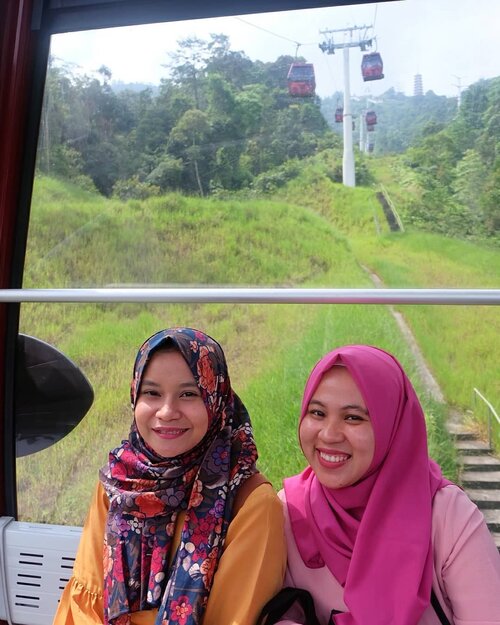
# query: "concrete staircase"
479, 475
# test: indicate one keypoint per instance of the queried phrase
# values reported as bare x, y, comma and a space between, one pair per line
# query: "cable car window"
304, 71
171, 154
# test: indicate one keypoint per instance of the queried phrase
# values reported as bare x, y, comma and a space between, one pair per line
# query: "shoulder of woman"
100, 494
450, 500
454, 517
255, 493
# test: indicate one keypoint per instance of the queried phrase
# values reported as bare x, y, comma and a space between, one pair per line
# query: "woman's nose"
168, 409
332, 431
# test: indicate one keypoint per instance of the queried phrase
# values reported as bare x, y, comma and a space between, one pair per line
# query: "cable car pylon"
329, 46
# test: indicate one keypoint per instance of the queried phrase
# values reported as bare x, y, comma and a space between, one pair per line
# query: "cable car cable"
270, 32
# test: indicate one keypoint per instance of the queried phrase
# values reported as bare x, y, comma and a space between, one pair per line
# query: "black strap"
443, 619
439, 610
274, 609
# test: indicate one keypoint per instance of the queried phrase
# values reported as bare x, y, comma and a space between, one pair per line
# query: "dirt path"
479, 468
423, 370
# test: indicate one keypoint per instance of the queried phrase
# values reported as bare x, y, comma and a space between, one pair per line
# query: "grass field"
314, 233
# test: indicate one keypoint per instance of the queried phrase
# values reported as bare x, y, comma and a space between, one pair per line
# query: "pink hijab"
374, 536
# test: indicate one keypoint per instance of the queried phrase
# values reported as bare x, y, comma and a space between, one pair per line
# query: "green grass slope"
314, 233
460, 343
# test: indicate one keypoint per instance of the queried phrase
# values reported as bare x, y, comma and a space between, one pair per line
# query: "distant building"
418, 88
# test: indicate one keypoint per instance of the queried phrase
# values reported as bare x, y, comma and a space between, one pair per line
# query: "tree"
188, 64
187, 140
468, 184
235, 67
167, 174
490, 201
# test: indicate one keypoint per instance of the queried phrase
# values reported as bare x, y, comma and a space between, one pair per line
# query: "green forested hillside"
310, 232
401, 119
223, 124
218, 122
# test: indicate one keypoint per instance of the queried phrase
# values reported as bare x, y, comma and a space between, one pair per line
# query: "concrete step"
496, 538
472, 447
484, 462
492, 518
460, 432
479, 474
480, 479
485, 498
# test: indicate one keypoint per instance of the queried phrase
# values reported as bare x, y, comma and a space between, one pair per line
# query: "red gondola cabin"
301, 80
339, 115
372, 66
371, 120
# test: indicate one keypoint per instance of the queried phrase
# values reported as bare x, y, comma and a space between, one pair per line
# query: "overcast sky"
448, 42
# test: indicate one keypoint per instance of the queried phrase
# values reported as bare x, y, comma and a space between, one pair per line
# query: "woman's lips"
332, 459
169, 433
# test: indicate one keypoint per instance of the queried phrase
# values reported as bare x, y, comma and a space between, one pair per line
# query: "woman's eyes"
316, 412
320, 414
154, 393
150, 393
354, 417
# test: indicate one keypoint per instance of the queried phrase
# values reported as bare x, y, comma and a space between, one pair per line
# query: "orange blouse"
251, 568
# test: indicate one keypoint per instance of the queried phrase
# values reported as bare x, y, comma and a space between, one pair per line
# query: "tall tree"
188, 64
188, 140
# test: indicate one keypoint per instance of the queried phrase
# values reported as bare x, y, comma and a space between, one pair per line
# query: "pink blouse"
466, 574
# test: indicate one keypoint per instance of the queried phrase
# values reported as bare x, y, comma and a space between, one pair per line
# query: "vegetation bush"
134, 189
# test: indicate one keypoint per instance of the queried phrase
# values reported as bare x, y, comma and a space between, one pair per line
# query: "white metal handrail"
491, 411
257, 295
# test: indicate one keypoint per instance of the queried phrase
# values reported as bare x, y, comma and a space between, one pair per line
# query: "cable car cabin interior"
301, 80
65, 352
372, 67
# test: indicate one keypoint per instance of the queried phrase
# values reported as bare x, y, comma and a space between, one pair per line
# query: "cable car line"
375, 16
270, 32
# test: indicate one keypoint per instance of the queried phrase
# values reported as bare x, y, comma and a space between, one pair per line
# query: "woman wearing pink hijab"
373, 529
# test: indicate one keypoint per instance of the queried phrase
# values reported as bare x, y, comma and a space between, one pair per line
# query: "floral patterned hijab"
146, 493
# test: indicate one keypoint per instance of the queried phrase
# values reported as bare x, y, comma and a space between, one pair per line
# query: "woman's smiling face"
169, 412
336, 433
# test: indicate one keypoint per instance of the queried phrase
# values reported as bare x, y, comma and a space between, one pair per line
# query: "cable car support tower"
328, 46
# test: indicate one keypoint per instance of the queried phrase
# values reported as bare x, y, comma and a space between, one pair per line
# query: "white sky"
449, 42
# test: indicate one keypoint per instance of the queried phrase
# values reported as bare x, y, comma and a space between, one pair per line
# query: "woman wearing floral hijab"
374, 532
192, 532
